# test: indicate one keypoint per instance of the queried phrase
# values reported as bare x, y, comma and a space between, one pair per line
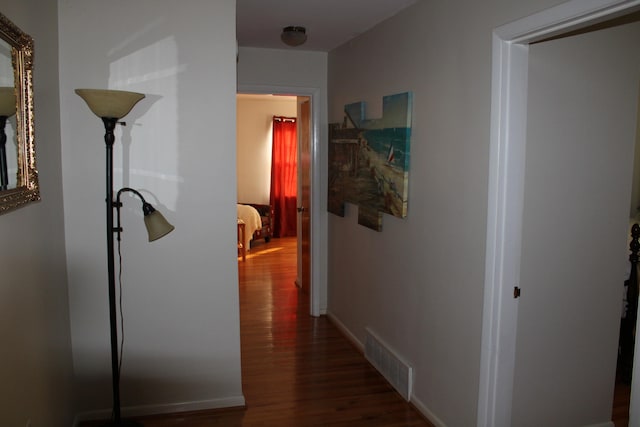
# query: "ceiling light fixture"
294, 36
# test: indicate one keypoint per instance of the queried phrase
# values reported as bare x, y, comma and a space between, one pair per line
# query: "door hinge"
516, 292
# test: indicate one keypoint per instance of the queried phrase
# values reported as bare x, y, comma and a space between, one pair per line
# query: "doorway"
580, 137
507, 178
282, 103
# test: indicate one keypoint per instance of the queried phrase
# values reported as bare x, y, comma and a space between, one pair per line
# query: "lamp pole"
109, 138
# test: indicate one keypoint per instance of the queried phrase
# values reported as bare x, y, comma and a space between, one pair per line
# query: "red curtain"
284, 176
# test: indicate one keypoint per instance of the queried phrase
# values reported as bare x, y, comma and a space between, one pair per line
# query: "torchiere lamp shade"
7, 101
110, 103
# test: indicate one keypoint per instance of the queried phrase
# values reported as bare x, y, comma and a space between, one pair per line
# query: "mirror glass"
7, 86
18, 173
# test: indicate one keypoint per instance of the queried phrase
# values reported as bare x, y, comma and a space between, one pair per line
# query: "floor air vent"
389, 364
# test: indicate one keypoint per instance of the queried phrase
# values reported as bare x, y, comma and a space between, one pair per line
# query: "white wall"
285, 68
180, 293
36, 369
254, 138
419, 283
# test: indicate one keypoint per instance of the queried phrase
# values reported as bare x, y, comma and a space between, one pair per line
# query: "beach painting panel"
369, 161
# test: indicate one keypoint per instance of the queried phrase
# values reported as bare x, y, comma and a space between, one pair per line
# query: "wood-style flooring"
296, 370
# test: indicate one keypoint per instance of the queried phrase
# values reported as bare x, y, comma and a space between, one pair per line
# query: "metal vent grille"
389, 364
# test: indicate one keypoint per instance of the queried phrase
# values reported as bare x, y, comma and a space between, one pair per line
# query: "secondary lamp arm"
157, 225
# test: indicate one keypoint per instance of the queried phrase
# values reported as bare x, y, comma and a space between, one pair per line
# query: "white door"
580, 139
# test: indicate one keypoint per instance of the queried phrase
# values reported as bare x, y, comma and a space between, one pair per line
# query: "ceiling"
329, 23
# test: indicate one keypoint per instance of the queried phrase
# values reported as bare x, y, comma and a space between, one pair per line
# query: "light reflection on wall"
147, 159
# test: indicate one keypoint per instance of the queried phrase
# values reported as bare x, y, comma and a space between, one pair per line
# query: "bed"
251, 218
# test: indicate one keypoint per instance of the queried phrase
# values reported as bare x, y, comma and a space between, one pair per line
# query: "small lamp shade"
113, 104
7, 101
157, 225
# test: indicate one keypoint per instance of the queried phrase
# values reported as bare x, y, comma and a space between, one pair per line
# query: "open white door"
304, 195
506, 188
581, 125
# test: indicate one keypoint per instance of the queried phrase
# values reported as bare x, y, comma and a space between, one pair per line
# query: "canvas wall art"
369, 161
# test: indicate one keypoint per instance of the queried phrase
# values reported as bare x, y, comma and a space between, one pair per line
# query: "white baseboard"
167, 408
439, 423
422, 408
346, 332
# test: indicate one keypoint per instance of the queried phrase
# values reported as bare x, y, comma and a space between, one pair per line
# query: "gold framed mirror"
19, 185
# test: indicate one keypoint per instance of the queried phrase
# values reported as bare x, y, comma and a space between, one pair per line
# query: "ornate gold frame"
27, 188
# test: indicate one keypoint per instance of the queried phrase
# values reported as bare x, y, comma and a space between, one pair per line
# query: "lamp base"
123, 423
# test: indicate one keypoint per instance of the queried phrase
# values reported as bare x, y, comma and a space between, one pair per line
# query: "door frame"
509, 86
318, 236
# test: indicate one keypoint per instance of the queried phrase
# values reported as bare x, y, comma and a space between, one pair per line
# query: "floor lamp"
110, 106
7, 109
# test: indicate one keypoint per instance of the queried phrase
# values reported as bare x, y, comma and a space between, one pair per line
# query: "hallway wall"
181, 315
36, 368
419, 284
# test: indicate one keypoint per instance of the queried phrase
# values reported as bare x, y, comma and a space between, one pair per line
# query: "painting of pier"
369, 161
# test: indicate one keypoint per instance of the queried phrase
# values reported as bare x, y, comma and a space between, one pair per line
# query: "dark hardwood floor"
296, 370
